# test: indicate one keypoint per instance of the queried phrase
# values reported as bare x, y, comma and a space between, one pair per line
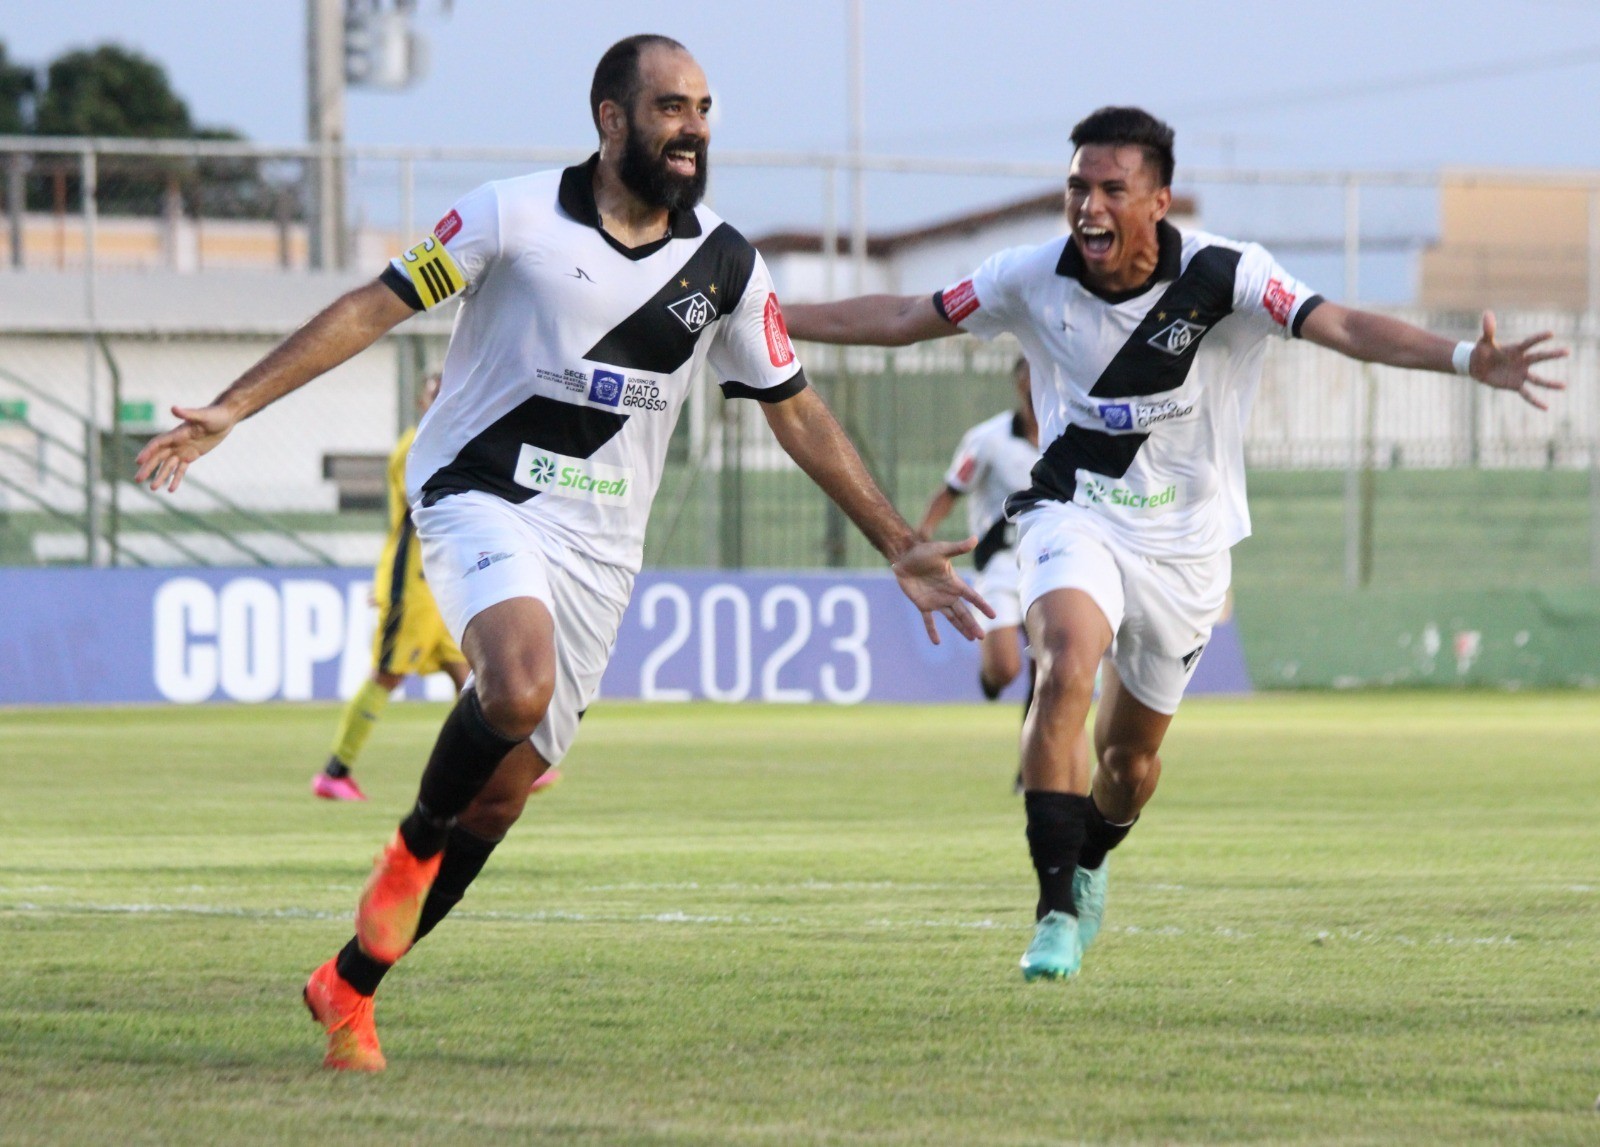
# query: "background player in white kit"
592, 296
992, 462
1146, 346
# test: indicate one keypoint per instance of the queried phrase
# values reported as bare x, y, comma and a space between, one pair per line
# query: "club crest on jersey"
606, 387
694, 312
1117, 415
1176, 337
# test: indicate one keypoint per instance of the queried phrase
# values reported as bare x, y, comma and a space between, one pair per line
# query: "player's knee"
514, 701
1064, 676
1130, 764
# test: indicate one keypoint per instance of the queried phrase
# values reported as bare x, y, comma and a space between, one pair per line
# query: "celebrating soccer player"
1146, 344
591, 298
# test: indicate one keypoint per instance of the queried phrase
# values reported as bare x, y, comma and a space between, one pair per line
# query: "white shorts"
997, 582
479, 550
1161, 611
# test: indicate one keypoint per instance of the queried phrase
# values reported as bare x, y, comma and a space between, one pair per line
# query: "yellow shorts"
412, 637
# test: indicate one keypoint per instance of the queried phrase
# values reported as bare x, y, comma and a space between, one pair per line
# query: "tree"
114, 91
111, 91
16, 85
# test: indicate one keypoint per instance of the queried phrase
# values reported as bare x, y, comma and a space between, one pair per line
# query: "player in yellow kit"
411, 636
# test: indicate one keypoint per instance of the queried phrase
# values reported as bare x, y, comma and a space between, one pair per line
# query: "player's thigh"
511, 646
1071, 591
1068, 634
488, 570
590, 599
1172, 609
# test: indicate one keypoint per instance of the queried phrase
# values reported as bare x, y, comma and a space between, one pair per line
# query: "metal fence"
123, 258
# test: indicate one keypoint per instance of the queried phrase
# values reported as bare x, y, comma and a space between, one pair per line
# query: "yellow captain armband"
433, 272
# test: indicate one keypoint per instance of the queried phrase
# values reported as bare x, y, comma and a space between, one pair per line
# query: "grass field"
1351, 920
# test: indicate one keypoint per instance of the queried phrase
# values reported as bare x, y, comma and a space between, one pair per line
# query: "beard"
647, 175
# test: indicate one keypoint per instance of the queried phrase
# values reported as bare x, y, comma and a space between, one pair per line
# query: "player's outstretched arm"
343, 329
1378, 338
939, 507
808, 432
870, 320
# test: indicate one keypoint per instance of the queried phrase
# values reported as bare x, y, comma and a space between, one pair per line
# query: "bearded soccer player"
992, 462
1146, 344
591, 297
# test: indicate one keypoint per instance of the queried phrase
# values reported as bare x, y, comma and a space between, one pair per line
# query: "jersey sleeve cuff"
1306, 308
783, 390
397, 282
938, 305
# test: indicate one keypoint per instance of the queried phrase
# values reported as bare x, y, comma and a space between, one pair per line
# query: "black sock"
1056, 826
990, 689
336, 768
1101, 837
360, 970
464, 857
465, 756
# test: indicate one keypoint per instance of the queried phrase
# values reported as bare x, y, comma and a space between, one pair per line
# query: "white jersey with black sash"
572, 354
992, 462
1141, 396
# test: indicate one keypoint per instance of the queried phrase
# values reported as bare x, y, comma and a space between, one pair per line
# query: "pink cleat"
337, 788
545, 779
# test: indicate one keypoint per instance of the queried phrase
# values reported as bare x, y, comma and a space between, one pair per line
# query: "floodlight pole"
858, 134
325, 129
1357, 548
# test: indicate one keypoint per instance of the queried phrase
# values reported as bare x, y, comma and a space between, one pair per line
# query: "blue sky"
1358, 84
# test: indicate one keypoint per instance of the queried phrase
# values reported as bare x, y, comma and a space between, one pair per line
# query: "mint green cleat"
1089, 893
1055, 953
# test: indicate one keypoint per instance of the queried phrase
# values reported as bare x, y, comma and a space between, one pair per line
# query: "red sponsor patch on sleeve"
960, 301
448, 227
1278, 301
779, 349
965, 470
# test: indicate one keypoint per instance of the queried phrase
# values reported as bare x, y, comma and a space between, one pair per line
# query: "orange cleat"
346, 1015
391, 903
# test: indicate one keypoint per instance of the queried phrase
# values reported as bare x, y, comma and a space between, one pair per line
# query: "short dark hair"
1134, 127
616, 76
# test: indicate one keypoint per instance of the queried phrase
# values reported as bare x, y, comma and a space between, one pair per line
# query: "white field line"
557, 916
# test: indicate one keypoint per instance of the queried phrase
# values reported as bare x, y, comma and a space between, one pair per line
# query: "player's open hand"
1511, 367
927, 578
166, 457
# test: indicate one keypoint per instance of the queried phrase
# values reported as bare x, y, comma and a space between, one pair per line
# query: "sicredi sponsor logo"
606, 387
1094, 492
578, 478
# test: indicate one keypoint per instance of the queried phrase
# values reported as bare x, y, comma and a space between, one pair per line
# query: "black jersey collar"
576, 197
1169, 262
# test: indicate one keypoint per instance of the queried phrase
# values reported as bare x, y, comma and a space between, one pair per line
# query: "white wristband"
1461, 358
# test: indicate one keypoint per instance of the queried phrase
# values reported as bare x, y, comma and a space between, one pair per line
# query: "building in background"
1512, 245
923, 258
